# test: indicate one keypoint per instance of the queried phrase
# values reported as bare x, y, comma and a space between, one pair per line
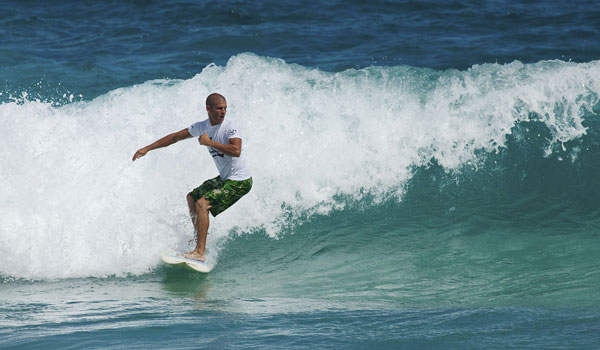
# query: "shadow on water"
185, 282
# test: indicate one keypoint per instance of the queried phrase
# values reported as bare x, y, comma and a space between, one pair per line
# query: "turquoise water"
425, 175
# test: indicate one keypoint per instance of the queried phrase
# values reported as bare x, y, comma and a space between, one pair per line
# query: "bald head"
214, 99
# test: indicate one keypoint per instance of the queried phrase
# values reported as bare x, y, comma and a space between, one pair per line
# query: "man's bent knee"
203, 204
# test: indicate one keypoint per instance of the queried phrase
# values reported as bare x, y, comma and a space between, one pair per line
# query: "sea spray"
74, 205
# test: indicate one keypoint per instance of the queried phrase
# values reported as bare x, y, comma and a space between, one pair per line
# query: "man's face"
216, 112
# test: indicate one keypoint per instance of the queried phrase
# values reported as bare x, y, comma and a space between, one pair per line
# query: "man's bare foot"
195, 256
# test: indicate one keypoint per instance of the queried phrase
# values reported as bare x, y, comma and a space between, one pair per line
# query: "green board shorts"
221, 194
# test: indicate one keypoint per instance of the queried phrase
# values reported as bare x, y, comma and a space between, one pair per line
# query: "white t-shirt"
230, 168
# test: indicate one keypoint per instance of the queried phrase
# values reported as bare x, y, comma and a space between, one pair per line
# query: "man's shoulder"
200, 124
228, 123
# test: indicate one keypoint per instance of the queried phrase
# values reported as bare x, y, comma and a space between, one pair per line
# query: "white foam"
73, 204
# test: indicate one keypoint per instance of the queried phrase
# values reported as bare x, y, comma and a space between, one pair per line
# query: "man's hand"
204, 140
140, 153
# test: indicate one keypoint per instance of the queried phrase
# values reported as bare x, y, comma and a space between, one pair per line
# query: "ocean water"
426, 174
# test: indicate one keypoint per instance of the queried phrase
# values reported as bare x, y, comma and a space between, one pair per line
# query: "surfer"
224, 143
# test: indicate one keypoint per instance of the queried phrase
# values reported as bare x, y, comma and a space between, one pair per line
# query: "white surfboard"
173, 258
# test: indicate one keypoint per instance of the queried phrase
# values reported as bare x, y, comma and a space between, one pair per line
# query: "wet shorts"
221, 194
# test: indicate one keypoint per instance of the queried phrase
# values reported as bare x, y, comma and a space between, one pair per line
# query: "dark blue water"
90, 48
426, 174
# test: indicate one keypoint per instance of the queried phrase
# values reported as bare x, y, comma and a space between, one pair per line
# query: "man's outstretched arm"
163, 142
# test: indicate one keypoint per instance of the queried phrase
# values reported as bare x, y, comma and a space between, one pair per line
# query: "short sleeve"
232, 131
195, 129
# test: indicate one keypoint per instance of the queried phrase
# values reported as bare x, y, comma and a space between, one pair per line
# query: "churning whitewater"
74, 205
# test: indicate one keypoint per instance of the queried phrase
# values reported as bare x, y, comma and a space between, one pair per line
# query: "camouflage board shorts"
221, 194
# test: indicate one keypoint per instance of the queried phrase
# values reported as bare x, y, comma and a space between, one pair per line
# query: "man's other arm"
232, 149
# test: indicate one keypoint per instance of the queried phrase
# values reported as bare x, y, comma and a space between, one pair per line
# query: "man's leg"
192, 206
202, 206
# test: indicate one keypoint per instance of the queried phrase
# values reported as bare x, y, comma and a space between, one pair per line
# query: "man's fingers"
138, 154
